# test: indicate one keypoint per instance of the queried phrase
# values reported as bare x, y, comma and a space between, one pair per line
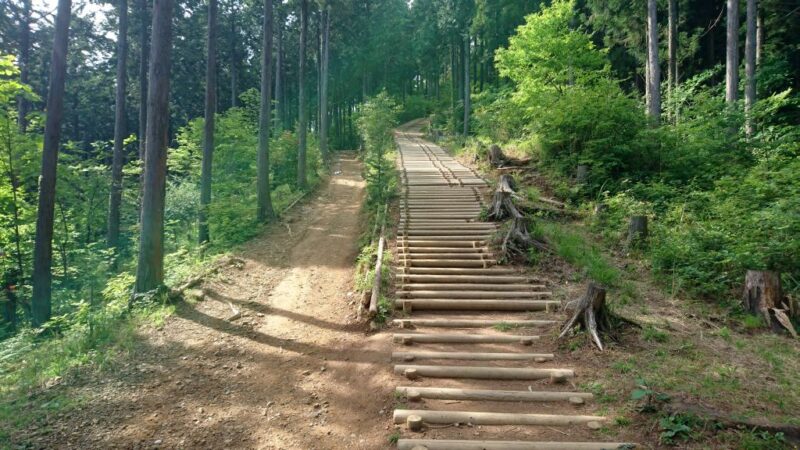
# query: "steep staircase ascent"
462, 317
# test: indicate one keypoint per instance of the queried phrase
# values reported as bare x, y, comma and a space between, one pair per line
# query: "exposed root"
498, 159
591, 314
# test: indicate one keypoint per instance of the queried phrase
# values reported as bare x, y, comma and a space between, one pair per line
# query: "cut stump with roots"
591, 314
515, 240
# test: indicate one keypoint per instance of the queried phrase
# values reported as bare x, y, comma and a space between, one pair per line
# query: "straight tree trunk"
150, 268
654, 71
323, 97
301, 98
24, 60
279, 106
234, 61
265, 211
732, 53
672, 50
208, 125
466, 85
43, 246
118, 160
144, 48
759, 36
750, 65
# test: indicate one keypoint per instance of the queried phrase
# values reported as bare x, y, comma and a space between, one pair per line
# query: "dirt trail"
294, 372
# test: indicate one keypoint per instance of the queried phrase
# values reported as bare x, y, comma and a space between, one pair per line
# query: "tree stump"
637, 230
496, 156
414, 422
590, 313
581, 174
763, 296
516, 240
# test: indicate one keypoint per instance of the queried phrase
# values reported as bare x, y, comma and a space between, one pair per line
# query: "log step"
449, 271
449, 263
477, 305
476, 294
470, 323
482, 373
422, 250
472, 356
475, 286
450, 444
487, 418
448, 338
488, 395
464, 279
459, 255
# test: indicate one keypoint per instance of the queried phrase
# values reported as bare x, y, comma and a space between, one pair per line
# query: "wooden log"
484, 373
414, 422
637, 229
475, 294
470, 323
492, 395
475, 286
445, 338
478, 305
488, 418
450, 444
376, 287
472, 356
460, 271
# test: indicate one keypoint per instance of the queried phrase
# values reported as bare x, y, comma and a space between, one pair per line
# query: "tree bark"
208, 125
590, 313
654, 71
43, 246
466, 85
150, 268
143, 67
24, 60
750, 65
763, 296
637, 229
279, 106
732, 53
323, 97
234, 61
672, 50
118, 159
301, 98
265, 211
759, 37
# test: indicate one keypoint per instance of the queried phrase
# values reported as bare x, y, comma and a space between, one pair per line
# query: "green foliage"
677, 427
584, 255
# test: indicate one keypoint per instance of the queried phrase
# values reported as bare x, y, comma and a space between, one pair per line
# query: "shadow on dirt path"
293, 372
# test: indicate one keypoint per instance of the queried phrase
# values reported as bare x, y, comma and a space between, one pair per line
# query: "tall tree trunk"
43, 246
150, 268
24, 60
466, 85
759, 36
234, 61
732, 53
301, 97
265, 211
143, 58
750, 65
12, 277
118, 160
672, 50
654, 71
279, 106
323, 96
208, 126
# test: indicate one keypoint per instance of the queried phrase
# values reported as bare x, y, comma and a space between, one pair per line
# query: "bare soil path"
294, 372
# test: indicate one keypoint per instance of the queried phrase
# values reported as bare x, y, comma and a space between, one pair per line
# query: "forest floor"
295, 371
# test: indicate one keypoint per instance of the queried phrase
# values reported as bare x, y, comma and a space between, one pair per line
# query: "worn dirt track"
294, 372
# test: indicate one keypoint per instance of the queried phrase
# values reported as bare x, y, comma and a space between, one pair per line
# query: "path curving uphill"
470, 357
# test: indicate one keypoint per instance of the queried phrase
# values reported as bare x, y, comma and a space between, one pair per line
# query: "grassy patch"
574, 248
